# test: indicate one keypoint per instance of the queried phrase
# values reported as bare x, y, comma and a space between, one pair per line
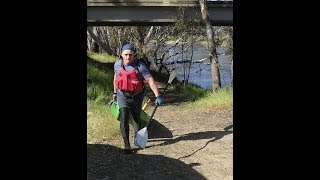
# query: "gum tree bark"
215, 73
96, 38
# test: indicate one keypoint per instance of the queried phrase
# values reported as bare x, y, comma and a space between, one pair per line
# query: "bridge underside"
154, 15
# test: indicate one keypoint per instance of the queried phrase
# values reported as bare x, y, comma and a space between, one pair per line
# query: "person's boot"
124, 127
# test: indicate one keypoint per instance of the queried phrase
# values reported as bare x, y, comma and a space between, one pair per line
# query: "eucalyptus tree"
109, 38
229, 45
215, 74
224, 38
94, 39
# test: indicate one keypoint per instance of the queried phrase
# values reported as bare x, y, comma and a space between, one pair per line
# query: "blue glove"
159, 100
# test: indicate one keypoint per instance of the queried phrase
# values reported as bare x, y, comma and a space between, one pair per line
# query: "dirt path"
182, 144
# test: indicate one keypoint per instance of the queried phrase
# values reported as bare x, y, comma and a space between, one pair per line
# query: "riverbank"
183, 143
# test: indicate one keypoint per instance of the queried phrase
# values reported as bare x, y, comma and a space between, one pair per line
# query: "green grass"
214, 100
102, 57
100, 123
100, 77
189, 92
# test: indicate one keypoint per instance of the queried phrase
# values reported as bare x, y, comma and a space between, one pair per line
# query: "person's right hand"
114, 97
159, 100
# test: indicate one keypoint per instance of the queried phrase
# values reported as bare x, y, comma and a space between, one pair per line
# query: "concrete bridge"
154, 12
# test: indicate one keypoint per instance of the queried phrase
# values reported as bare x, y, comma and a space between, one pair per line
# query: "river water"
200, 73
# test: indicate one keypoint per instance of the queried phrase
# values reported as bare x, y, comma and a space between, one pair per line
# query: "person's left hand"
159, 100
114, 97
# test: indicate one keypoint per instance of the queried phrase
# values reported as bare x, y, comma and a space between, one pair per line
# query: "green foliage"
184, 24
99, 83
224, 36
189, 92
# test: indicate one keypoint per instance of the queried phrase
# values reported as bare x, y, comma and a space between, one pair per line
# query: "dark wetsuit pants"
127, 105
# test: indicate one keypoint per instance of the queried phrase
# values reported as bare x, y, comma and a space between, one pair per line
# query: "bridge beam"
109, 13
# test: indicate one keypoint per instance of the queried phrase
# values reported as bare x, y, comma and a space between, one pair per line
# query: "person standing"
129, 74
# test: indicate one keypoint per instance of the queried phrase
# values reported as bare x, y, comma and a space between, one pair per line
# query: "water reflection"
200, 73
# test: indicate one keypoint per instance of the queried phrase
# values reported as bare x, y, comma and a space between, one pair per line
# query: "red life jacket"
129, 81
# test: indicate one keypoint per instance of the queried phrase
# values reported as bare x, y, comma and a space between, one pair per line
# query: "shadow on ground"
212, 135
157, 130
107, 162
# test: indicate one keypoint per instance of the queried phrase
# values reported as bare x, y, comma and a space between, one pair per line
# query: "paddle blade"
141, 138
173, 74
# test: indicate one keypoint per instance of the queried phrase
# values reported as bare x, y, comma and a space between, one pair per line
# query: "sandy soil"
182, 144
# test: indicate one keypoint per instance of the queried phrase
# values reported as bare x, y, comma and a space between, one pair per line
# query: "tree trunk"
139, 40
89, 40
215, 73
95, 37
147, 38
191, 58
